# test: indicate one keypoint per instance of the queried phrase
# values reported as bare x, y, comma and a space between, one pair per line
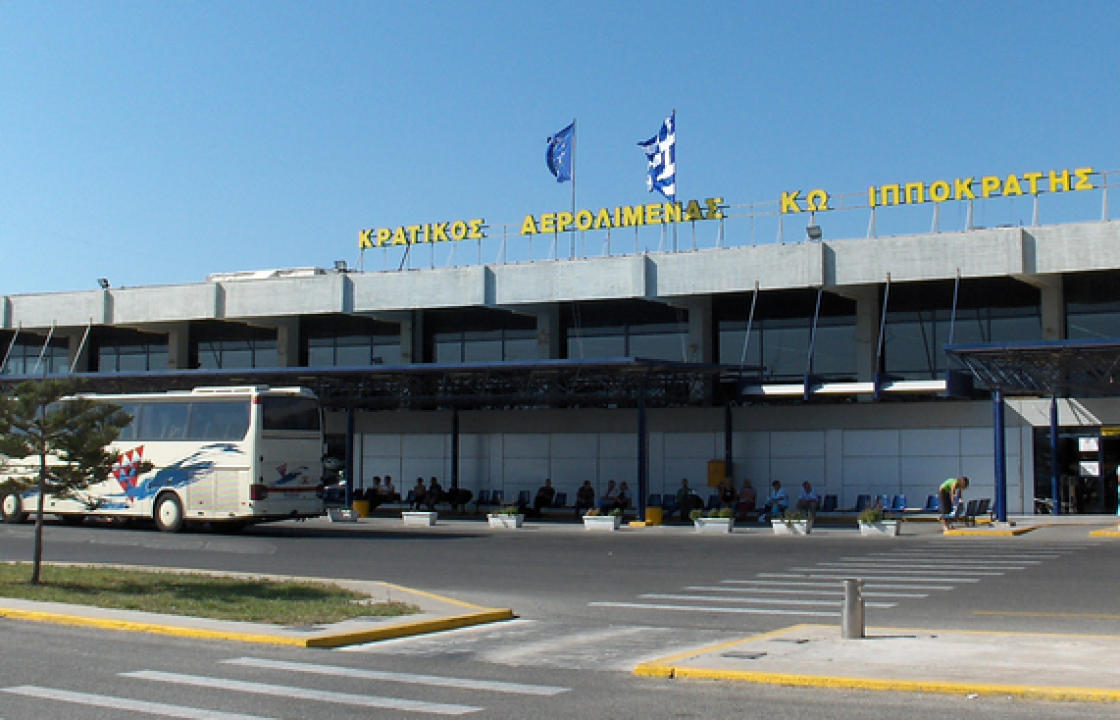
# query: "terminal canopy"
617, 382
1063, 368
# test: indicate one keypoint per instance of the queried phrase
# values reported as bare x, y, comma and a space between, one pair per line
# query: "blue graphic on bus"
176, 475
287, 477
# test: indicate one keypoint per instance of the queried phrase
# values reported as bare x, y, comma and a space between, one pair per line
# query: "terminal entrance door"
1089, 457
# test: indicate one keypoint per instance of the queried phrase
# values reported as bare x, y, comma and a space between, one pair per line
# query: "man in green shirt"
949, 495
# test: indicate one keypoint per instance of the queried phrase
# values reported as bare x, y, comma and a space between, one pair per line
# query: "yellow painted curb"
988, 532
133, 626
389, 632
1104, 533
477, 616
667, 667
857, 683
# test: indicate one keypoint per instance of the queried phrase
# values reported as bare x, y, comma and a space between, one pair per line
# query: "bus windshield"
290, 413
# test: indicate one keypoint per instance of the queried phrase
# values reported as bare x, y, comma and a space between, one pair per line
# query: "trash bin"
361, 507
653, 516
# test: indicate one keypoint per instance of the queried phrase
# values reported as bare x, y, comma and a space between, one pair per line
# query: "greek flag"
661, 149
558, 156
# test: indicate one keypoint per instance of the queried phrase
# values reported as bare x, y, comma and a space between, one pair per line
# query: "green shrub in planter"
695, 514
871, 515
726, 512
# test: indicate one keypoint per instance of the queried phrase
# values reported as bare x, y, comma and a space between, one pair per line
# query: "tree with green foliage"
68, 436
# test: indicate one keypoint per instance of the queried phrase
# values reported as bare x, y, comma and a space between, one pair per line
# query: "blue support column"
727, 445
1055, 459
1000, 457
349, 464
455, 448
643, 451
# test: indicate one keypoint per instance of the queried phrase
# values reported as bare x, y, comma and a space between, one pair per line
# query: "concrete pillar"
699, 345
1053, 309
287, 342
412, 338
178, 346
868, 311
549, 333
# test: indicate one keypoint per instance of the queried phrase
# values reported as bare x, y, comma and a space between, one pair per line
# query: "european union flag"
558, 156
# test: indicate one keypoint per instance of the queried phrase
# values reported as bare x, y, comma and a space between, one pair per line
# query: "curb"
840, 682
671, 668
180, 625
990, 532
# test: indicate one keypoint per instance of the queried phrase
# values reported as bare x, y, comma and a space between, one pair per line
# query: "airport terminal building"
812, 358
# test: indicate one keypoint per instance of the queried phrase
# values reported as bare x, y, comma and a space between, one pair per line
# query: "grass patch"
220, 598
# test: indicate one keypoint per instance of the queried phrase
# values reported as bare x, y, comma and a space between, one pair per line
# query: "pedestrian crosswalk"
549, 643
292, 682
890, 578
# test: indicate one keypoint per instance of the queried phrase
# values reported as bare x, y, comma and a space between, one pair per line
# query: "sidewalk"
437, 613
1027, 665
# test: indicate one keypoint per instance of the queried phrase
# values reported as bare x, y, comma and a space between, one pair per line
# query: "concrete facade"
844, 448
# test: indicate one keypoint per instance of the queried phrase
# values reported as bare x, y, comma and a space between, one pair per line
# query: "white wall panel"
618, 445
574, 445
870, 442
796, 444
932, 441
526, 445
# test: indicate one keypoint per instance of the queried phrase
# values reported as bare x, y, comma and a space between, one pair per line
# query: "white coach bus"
228, 455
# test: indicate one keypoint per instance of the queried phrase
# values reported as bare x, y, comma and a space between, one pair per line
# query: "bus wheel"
169, 513
10, 509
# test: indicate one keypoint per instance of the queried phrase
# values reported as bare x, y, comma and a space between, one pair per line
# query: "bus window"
290, 413
219, 420
164, 421
129, 432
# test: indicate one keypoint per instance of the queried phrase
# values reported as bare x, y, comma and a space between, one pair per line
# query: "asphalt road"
590, 607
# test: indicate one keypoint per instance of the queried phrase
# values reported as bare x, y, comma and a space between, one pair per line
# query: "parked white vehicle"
232, 455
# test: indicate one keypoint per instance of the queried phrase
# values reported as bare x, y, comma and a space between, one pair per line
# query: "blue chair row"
524, 497
896, 503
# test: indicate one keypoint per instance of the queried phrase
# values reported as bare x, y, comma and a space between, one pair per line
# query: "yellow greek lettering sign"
449, 231
939, 191
624, 216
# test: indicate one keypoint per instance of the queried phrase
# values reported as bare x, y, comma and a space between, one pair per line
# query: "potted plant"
873, 522
722, 520
792, 522
507, 516
595, 519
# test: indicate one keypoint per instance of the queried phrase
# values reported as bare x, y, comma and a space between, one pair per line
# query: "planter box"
716, 525
498, 520
423, 519
609, 523
794, 527
886, 527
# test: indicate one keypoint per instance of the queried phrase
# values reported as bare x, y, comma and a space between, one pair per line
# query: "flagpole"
572, 250
675, 175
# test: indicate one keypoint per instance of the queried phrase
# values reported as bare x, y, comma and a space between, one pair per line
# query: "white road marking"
715, 609
925, 566
297, 693
895, 578
805, 591
760, 601
866, 584
554, 645
117, 703
411, 678
896, 571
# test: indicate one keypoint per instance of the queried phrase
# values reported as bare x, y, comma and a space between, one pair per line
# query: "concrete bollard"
851, 618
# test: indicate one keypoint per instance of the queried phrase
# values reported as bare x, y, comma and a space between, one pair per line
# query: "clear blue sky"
157, 142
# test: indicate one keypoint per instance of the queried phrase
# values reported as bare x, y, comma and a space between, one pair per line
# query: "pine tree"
68, 436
